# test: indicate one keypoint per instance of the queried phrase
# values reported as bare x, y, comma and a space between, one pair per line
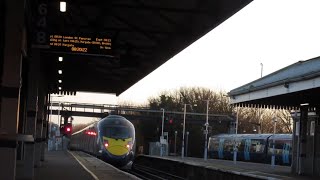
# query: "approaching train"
252, 147
112, 139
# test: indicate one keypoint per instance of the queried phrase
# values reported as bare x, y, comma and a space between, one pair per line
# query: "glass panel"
117, 132
257, 145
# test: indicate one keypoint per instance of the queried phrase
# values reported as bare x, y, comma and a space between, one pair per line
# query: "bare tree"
175, 100
250, 119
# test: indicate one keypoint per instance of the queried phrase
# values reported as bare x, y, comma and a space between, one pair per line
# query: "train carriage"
251, 147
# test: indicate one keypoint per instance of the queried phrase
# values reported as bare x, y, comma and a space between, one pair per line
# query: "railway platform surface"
75, 165
259, 170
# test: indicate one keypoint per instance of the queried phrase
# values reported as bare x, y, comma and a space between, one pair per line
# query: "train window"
213, 144
257, 145
228, 145
118, 132
281, 146
241, 145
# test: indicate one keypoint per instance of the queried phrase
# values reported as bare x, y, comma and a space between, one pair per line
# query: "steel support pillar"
12, 21
32, 113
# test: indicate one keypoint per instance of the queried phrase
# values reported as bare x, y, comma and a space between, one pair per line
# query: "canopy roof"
295, 85
144, 34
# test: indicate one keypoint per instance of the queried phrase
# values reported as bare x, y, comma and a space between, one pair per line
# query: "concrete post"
11, 22
32, 112
303, 140
23, 107
39, 126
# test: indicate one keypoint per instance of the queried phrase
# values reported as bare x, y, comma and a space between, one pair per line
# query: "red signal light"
170, 121
68, 128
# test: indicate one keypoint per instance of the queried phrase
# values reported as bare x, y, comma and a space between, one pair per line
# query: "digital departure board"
80, 44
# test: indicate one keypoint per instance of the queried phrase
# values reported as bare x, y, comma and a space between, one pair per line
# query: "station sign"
80, 44
44, 37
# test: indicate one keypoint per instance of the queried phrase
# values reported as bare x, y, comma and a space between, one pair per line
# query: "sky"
276, 33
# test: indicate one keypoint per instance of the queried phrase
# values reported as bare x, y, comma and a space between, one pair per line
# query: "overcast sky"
276, 33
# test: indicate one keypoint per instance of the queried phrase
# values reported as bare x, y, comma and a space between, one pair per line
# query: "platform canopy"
109, 45
287, 88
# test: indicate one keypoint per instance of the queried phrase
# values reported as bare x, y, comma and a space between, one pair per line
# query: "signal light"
67, 128
170, 121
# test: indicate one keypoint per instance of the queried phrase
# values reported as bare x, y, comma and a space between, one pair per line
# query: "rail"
149, 173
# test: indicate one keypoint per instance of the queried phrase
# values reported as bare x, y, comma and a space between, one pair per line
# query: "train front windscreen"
118, 132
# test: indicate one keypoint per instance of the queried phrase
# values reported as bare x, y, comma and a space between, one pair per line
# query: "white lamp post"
205, 153
206, 133
261, 68
187, 144
175, 142
161, 153
184, 129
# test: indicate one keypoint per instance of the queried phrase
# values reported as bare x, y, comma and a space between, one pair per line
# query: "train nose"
118, 150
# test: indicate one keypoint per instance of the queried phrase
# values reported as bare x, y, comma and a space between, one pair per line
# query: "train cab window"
118, 132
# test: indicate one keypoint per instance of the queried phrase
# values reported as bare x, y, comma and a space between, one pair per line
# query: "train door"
285, 153
220, 150
247, 146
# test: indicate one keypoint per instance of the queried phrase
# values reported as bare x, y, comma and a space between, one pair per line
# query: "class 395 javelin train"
111, 139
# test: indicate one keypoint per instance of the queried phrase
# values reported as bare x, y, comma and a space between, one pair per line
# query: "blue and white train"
252, 147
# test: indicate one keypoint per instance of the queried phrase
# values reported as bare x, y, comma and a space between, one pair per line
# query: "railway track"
147, 173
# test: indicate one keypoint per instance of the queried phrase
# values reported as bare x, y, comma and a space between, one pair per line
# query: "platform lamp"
63, 6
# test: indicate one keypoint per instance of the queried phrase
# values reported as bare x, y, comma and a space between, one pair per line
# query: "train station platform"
219, 168
74, 165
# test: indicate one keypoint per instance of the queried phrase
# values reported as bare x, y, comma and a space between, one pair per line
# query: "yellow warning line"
84, 167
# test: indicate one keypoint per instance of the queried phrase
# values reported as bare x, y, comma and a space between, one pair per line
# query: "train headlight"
129, 145
106, 143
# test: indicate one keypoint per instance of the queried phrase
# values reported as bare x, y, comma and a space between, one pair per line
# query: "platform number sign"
40, 33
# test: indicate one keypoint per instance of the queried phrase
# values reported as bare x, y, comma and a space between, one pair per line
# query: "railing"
107, 108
